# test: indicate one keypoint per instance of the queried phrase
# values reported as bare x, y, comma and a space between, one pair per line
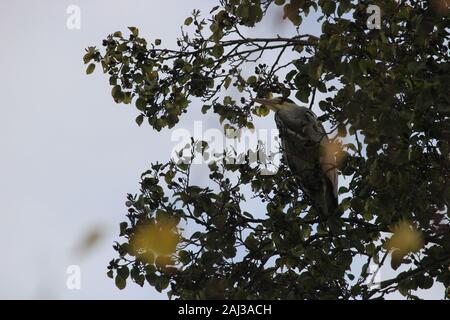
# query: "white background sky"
69, 154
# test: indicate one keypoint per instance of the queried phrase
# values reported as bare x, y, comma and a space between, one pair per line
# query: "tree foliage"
386, 90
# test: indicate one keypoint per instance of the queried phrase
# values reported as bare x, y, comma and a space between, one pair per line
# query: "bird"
306, 148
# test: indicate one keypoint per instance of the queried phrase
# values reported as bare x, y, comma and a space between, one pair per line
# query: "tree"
386, 90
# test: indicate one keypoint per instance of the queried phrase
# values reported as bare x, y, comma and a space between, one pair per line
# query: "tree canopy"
385, 90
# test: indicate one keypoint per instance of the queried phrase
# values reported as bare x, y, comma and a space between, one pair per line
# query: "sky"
69, 154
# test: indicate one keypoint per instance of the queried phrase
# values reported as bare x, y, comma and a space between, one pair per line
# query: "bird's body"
306, 149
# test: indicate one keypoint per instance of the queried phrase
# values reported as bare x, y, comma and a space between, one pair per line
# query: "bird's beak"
269, 103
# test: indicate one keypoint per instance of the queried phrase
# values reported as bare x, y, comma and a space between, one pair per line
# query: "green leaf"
123, 227
426, 282
116, 91
227, 82
344, 6
251, 243
303, 95
262, 111
205, 108
315, 70
139, 119
370, 249
90, 68
113, 80
217, 51
169, 176
252, 80
161, 283
140, 104
184, 257
121, 283
124, 272
188, 21
134, 31
329, 7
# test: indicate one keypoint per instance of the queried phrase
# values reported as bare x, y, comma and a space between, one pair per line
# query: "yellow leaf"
405, 239
157, 239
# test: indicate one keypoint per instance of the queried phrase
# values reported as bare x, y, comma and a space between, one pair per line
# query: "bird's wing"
327, 158
311, 129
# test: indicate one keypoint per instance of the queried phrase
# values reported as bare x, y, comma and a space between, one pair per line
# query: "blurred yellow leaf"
405, 239
89, 241
158, 239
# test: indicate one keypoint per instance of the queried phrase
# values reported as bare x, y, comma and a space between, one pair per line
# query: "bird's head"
277, 104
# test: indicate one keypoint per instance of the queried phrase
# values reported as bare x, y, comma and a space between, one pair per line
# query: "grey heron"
307, 151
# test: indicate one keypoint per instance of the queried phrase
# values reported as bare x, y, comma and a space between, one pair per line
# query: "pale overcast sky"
69, 154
